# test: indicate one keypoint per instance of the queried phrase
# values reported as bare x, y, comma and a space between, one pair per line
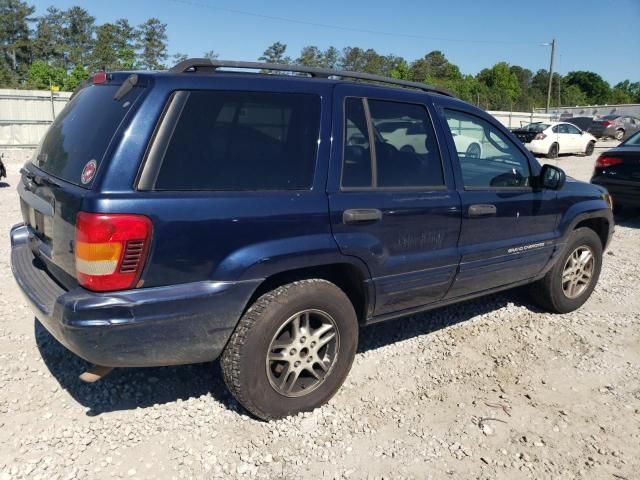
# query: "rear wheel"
574, 276
553, 151
590, 148
292, 349
473, 151
619, 134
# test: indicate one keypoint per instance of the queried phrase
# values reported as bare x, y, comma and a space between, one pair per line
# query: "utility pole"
553, 54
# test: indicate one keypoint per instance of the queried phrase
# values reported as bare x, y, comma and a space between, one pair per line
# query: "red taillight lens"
540, 136
606, 123
604, 161
99, 77
111, 249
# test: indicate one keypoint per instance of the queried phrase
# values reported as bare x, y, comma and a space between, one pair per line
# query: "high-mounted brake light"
540, 136
604, 161
111, 250
99, 77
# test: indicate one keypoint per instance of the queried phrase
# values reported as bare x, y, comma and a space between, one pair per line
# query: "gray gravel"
493, 388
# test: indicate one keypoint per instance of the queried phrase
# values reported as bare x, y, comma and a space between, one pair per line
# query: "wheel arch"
353, 279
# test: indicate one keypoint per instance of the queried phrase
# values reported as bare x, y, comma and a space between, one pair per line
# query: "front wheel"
574, 276
292, 349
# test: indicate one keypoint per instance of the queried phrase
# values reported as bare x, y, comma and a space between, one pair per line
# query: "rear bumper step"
172, 325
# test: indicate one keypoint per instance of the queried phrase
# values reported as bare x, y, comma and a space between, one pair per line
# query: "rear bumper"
537, 147
170, 325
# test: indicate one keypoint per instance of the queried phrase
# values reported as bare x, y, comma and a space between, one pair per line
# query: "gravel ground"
492, 388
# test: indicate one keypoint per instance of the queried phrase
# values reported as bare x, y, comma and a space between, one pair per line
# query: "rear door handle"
482, 210
361, 215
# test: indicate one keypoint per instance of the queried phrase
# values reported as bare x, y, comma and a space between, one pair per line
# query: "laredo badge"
88, 171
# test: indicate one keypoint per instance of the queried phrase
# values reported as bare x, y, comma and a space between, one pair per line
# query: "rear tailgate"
525, 136
63, 171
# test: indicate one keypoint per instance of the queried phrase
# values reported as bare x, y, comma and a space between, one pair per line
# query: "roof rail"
207, 65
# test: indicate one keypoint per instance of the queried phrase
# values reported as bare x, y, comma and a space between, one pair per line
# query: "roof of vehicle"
217, 67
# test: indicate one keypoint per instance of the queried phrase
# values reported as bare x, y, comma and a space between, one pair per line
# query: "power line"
345, 28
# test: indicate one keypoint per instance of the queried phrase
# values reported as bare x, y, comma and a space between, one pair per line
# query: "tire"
619, 134
265, 386
553, 151
473, 151
555, 295
590, 148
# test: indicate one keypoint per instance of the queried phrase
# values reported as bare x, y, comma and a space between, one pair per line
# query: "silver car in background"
614, 126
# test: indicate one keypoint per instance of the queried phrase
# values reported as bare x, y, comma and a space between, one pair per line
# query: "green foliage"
592, 84
275, 53
503, 85
42, 76
78, 75
152, 43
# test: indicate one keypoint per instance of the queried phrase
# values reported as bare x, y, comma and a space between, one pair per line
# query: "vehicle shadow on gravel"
130, 388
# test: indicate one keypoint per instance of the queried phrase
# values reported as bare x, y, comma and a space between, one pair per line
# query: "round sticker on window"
88, 171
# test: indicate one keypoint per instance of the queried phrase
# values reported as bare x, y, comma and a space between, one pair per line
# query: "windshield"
82, 133
633, 140
536, 127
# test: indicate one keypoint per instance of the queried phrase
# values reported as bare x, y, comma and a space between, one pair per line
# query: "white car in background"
411, 138
554, 138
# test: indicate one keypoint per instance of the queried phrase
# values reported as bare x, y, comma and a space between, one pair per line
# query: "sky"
597, 35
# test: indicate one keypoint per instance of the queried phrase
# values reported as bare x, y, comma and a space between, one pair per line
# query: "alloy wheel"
302, 353
578, 272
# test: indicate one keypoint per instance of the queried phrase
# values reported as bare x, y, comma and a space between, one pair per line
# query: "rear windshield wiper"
126, 87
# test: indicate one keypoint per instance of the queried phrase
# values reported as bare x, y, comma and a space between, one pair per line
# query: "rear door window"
81, 133
237, 141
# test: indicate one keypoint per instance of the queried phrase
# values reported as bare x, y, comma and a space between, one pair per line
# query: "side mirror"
551, 177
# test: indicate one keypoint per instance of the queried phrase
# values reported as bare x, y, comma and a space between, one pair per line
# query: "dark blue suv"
174, 217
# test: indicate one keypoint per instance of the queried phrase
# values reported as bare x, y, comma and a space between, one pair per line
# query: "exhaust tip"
98, 372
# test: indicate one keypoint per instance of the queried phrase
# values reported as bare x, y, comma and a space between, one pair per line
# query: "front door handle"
482, 210
361, 215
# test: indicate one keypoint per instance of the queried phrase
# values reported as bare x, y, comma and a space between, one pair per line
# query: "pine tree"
152, 43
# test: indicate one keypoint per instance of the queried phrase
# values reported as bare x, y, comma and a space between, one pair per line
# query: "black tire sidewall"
255, 383
580, 237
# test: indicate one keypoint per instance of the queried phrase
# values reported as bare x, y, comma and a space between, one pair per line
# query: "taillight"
111, 250
606, 123
540, 136
604, 161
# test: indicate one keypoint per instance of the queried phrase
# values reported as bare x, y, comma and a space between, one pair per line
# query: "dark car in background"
583, 123
614, 126
618, 170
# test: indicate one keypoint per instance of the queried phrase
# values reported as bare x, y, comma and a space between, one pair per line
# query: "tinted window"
356, 170
488, 159
572, 130
406, 150
243, 141
82, 132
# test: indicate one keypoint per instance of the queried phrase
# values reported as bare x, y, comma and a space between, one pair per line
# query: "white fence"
518, 119
25, 116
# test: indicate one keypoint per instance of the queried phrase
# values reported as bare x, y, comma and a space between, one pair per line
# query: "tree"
78, 35
434, 66
502, 84
275, 54
152, 43
49, 41
78, 75
592, 84
15, 43
179, 57
310, 56
42, 76
627, 90
211, 54
125, 44
331, 58
105, 53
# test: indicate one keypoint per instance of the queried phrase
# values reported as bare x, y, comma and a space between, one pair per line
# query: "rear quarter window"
237, 141
82, 132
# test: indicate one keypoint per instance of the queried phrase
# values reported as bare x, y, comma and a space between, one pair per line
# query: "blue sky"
601, 36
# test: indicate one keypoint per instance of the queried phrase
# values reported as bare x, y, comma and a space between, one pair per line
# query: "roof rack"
207, 65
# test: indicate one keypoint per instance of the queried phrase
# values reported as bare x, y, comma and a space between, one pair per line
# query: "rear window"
242, 141
82, 132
